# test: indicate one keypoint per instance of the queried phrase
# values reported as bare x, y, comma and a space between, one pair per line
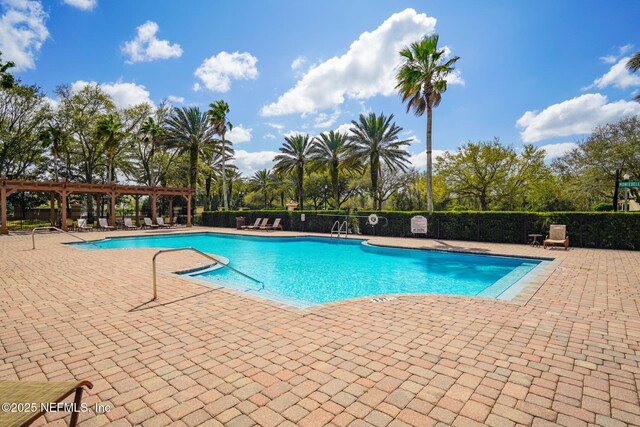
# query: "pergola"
64, 189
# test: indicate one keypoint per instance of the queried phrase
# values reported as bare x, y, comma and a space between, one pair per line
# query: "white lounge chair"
128, 224
82, 225
104, 225
149, 224
161, 223
275, 226
262, 225
251, 227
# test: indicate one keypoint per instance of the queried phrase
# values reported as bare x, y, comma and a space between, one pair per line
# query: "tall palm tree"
375, 141
293, 160
189, 131
262, 181
633, 65
329, 152
217, 113
422, 79
109, 129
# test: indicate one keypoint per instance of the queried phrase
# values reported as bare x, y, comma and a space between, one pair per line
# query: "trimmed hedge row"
608, 230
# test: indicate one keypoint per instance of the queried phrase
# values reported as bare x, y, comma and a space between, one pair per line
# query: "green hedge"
610, 230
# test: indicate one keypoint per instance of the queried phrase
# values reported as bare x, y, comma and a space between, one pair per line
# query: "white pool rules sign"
419, 225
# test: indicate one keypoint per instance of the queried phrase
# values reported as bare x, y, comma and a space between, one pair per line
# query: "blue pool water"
305, 271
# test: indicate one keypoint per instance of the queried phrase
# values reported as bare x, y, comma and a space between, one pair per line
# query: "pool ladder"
337, 228
215, 261
52, 228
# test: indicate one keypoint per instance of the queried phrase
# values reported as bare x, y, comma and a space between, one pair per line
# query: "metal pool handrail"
33, 235
155, 288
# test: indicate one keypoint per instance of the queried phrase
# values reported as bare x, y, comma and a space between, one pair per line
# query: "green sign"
629, 184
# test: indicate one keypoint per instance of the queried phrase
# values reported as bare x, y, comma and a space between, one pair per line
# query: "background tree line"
83, 136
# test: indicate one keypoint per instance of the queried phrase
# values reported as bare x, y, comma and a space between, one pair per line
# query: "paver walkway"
565, 352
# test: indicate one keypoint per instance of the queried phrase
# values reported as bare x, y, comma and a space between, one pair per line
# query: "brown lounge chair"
261, 226
250, 227
557, 236
275, 226
38, 395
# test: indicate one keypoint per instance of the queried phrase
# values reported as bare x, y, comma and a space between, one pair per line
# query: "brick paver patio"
565, 352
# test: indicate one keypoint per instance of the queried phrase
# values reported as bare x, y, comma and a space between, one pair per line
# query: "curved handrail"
33, 235
155, 288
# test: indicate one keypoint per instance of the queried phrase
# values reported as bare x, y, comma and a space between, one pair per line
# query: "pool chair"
161, 223
149, 224
38, 397
128, 224
82, 225
261, 226
557, 237
251, 227
275, 226
104, 225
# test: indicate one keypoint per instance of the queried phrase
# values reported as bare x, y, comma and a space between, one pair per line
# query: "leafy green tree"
293, 160
189, 131
23, 117
7, 80
109, 130
262, 181
330, 153
491, 174
375, 142
218, 113
634, 65
588, 171
422, 79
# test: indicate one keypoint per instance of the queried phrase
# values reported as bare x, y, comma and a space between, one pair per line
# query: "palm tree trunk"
429, 161
193, 172
373, 165
334, 184
300, 188
224, 178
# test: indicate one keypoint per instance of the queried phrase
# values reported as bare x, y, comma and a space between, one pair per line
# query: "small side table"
533, 239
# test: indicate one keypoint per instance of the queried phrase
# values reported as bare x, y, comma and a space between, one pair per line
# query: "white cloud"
82, 4
574, 116
293, 133
554, 151
250, 162
419, 161
298, 63
276, 126
147, 47
344, 128
612, 58
22, 32
217, 72
618, 76
239, 134
367, 69
269, 136
176, 99
124, 95
324, 120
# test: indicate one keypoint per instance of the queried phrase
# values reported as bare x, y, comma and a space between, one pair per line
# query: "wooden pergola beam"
64, 188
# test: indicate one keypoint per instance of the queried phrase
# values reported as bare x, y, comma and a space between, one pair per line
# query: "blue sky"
543, 72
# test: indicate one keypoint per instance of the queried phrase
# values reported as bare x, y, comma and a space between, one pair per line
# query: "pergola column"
137, 199
188, 210
3, 208
113, 209
170, 209
154, 211
52, 208
63, 209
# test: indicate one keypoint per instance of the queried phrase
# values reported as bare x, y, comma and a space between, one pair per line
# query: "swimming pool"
305, 271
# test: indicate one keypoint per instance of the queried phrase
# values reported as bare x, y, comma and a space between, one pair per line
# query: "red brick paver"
565, 352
